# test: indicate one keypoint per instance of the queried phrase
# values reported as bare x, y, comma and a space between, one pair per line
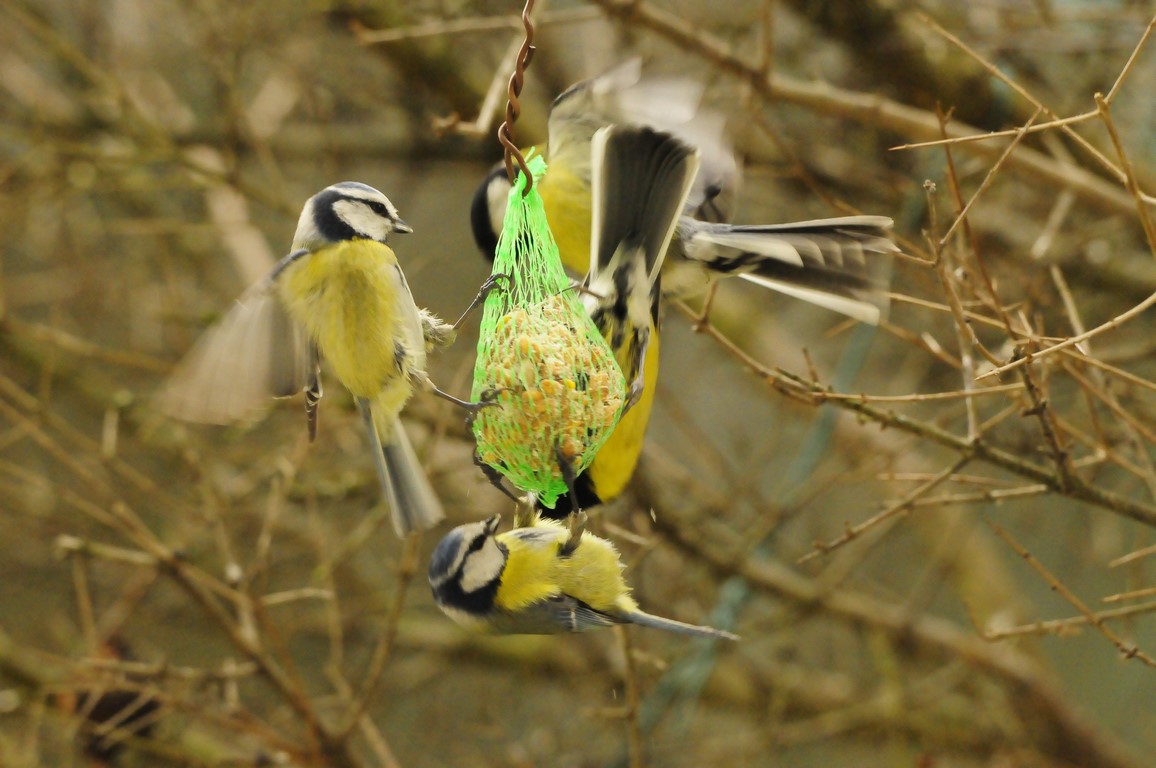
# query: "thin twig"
1006, 134
921, 397
1063, 626
444, 27
1130, 180
1129, 651
806, 391
902, 506
1128, 65
1115, 322
1041, 409
988, 179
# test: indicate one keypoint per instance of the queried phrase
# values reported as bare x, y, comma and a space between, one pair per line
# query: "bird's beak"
402, 227
492, 523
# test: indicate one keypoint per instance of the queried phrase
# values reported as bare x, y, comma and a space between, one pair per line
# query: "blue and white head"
347, 210
466, 568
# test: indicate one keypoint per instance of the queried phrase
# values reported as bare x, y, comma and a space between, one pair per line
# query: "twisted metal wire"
513, 107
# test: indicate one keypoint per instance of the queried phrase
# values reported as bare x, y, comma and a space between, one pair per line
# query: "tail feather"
867, 306
836, 263
413, 504
644, 619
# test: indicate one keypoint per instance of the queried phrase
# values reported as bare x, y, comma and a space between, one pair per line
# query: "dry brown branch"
1072, 341
1067, 737
873, 110
445, 27
1129, 171
1127, 650
809, 392
1121, 174
900, 507
1069, 625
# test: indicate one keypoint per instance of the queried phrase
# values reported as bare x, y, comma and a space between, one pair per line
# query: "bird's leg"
495, 477
489, 398
576, 521
490, 284
583, 289
366, 410
312, 400
524, 511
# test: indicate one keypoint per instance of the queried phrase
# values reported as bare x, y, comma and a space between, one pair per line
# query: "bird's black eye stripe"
477, 544
376, 206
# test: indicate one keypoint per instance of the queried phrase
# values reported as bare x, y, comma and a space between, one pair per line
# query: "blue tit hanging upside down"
533, 581
339, 296
839, 263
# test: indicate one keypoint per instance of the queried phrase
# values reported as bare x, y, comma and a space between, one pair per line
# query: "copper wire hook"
514, 108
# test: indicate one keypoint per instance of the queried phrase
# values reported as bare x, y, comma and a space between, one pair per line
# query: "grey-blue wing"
254, 353
552, 616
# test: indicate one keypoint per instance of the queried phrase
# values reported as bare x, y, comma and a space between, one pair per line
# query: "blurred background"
932, 571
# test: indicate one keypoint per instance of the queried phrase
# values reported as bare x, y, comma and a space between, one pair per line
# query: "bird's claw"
576, 525
495, 477
483, 292
633, 395
488, 398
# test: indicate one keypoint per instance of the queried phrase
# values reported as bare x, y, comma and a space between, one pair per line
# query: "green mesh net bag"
560, 389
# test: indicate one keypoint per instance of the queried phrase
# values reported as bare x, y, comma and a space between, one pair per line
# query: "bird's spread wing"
254, 353
673, 104
641, 179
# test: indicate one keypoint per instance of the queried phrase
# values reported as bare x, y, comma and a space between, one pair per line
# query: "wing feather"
256, 352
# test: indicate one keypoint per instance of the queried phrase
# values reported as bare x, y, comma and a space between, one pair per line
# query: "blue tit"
641, 179
838, 263
339, 296
530, 581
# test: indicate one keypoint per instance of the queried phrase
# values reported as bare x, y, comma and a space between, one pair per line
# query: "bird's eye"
380, 209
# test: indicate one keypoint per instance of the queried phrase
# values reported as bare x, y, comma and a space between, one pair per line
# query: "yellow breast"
346, 297
614, 464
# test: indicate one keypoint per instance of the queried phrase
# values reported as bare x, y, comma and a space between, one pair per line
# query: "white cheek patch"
464, 618
482, 567
363, 219
496, 198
